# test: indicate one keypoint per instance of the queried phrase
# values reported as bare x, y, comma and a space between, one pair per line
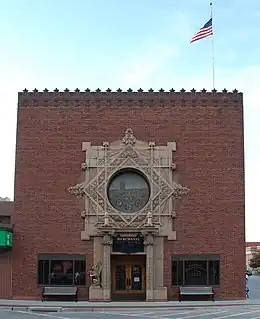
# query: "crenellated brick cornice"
119, 97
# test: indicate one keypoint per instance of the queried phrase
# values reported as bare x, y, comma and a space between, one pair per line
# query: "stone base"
160, 294
95, 293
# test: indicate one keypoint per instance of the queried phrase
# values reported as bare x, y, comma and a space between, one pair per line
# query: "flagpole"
213, 57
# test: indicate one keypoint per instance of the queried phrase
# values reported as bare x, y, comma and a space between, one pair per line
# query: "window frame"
184, 258
60, 257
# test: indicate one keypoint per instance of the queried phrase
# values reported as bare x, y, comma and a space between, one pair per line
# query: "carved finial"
45, 90
108, 90
193, 90
172, 90
25, 90
105, 144
224, 90
56, 90
214, 90
173, 166
77, 90
150, 90
129, 90
182, 90
235, 91
98, 90
161, 90
77, 190
66, 90
119, 90
87, 90
83, 214
35, 90
149, 219
129, 138
204, 90
140, 90
84, 166
180, 191
106, 219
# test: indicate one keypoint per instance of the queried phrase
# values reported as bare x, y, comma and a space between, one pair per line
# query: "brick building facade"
129, 195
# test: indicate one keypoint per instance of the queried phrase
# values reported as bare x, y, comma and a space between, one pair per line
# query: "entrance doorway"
128, 277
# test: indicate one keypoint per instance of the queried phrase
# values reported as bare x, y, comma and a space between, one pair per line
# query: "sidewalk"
81, 305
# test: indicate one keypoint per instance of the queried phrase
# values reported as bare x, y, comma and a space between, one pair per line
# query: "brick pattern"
209, 159
5, 275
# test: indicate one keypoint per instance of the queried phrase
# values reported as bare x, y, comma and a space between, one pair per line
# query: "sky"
130, 43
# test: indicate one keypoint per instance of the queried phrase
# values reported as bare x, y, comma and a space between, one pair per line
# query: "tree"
5, 199
255, 260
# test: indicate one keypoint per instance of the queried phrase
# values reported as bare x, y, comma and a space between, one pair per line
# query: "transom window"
128, 191
195, 270
61, 269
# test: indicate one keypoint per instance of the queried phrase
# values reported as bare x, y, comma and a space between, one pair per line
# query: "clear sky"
130, 43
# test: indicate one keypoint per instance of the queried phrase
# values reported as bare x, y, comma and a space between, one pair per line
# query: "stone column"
149, 242
106, 271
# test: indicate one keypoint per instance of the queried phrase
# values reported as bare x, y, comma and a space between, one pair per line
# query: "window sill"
213, 286
47, 285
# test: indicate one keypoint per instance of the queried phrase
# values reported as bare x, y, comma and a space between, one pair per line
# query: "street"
219, 312
243, 312
254, 286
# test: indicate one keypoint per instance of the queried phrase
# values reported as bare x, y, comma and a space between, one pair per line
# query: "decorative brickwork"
116, 99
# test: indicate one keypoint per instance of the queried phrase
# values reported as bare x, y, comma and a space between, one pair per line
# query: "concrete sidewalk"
81, 305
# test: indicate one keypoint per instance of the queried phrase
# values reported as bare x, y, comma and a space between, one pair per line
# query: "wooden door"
128, 279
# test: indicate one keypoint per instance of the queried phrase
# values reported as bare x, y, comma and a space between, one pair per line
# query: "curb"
108, 307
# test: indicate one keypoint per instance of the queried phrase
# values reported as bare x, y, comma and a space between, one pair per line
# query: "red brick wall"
208, 129
5, 275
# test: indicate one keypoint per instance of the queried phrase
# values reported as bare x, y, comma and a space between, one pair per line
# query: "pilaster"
149, 243
106, 273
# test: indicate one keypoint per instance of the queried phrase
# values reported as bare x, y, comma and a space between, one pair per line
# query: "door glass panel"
120, 277
136, 278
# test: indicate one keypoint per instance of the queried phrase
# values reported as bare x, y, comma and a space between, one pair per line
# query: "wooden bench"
196, 291
60, 291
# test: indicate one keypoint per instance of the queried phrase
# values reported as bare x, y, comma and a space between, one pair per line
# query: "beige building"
251, 248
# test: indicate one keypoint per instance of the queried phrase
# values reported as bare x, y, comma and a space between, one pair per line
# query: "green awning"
6, 239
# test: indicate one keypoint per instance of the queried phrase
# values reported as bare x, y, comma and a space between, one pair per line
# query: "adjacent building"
128, 195
251, 248
6, 236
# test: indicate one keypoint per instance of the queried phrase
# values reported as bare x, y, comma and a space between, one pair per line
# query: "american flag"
204, 32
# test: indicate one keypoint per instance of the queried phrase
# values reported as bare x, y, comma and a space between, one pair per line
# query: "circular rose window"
128, 191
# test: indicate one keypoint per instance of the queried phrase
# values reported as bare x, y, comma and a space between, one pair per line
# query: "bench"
60, 291
196, 291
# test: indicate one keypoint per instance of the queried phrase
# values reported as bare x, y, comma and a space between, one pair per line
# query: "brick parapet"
139, 98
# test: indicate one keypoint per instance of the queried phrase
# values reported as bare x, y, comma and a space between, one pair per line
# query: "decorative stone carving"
107, 241
173, 166
149, 240
95, 274
149, 219
180, 191
106, 219
155, 162
105, 144
77, 190
84, 166
129, 138
83, 214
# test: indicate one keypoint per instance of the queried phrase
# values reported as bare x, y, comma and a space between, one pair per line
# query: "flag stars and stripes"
203, 32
